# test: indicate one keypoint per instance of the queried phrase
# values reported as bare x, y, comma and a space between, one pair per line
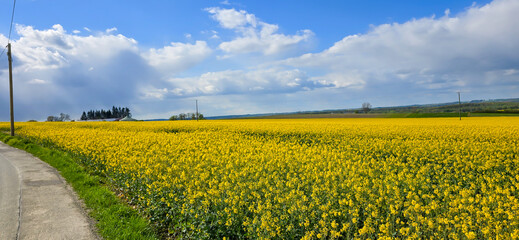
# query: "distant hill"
474, 107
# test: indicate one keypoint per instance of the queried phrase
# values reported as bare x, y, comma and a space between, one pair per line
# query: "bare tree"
64, 117
366, 107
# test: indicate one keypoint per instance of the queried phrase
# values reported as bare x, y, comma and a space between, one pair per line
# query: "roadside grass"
114, 218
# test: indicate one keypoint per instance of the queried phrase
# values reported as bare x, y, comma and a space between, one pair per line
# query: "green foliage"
187, 116
116, 112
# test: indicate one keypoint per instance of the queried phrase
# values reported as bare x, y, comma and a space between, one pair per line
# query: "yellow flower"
273, 178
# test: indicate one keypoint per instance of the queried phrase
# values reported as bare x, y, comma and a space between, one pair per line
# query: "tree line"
115, 112
187, 116
62, 117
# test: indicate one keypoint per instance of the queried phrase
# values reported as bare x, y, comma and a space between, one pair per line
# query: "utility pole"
10, 59
196, 109
459, 103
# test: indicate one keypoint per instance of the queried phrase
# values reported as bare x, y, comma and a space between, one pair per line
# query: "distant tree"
186, 116
127, 112
32, 120
50, 119
63, 117
366, 107
90, 114
115, 112
84, 116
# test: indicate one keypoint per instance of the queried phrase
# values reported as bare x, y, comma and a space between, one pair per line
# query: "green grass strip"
115, 219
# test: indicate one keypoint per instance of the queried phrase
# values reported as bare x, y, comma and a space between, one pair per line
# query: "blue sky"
255, 56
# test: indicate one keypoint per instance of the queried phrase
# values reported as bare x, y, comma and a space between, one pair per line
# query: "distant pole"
10, 59
459, 103
196, 110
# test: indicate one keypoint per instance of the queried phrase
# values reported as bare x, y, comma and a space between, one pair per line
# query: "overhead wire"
1, 54
10, 29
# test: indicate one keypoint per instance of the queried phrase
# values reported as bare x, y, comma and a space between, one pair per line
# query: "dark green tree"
84, 116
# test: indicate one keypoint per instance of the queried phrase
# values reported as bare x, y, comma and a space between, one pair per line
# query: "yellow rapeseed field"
308, 179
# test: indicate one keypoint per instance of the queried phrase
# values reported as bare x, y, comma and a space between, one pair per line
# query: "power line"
1, 54
10, 59
11, 27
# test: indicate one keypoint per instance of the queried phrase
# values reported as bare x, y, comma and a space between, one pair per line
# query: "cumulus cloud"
260, 81
54, 48
477, 47
37, 81
60, 72
178, 56
111, 30
254, 34
419, 61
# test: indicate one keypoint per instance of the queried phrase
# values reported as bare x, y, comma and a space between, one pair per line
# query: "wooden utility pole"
10, 59
459, 103
196, 110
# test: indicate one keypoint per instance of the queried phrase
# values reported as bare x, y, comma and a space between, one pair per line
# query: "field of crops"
308, 178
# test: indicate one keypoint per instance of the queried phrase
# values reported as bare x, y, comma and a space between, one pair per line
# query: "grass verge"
115, 219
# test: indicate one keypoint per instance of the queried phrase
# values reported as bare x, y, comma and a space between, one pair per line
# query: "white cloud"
215, 35
187, 35
254, 35
111, 30
154, 93
419, 61
58, 71
231, 18
54, 48
37, 81
273, 80
76, 31
87, 29
511, 71
178, 56
428, 53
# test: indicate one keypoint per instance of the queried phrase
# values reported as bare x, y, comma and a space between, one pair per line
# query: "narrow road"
9, 199
35, 201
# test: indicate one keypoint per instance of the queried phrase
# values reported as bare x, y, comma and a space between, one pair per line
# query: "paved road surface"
35, 201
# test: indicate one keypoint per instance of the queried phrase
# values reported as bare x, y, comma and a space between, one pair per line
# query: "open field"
307, 178
317, 115
381, 115
475, 108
